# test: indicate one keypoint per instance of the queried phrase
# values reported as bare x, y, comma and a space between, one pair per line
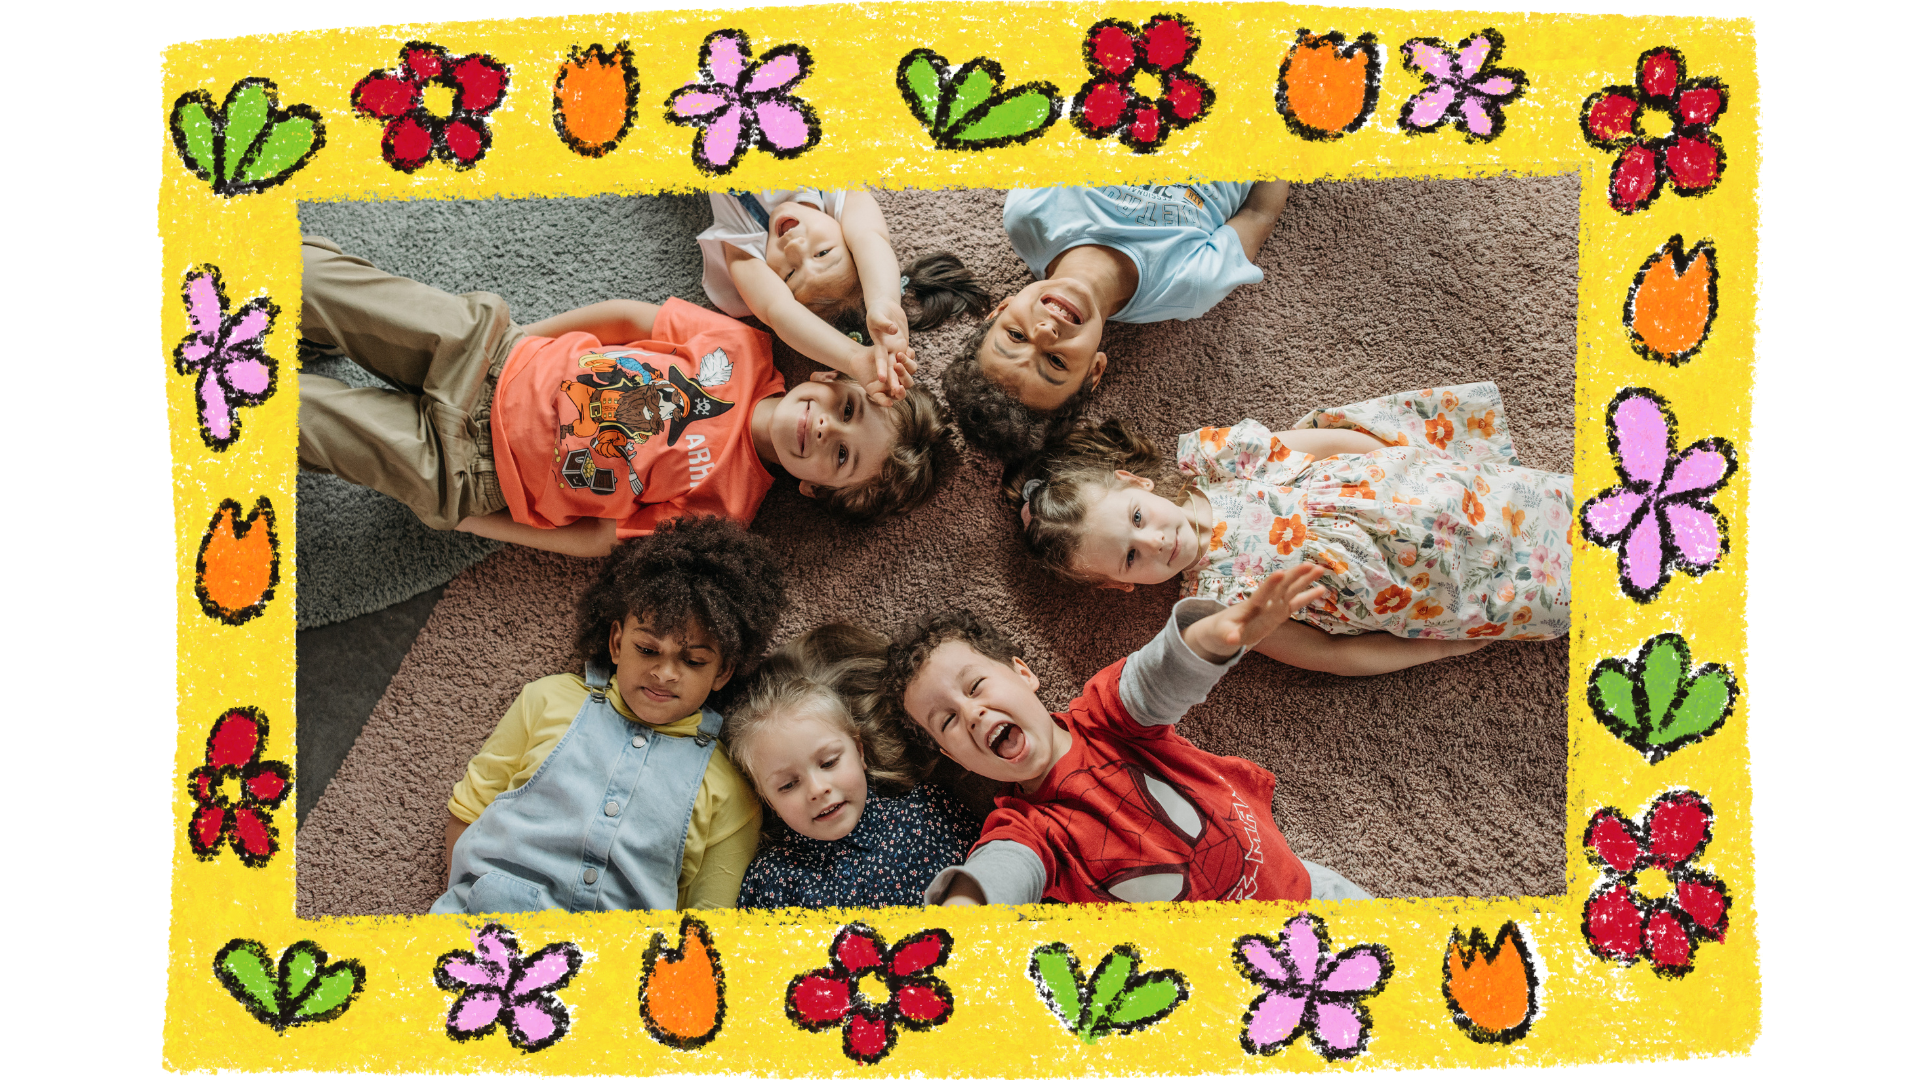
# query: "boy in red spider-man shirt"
1104, 802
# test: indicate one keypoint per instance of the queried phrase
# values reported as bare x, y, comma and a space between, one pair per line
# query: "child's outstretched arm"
588, 538
1309, 647
1257, 216
613, 322
871, 245
882, 374
1220, 635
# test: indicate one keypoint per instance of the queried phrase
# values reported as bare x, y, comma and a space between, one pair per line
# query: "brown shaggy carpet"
1443, 780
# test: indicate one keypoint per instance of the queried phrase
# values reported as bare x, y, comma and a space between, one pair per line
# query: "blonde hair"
1056, 487
835, 673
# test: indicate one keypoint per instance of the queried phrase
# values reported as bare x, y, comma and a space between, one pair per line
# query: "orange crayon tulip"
239, 563
1491, 989
1672, 302
683, 990
593, 98
1327, 87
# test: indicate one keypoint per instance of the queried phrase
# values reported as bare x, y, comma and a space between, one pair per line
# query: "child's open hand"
1223, 633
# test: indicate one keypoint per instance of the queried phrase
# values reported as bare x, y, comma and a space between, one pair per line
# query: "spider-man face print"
1143, 838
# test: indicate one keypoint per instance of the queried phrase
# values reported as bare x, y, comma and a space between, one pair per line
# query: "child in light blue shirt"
1124, 253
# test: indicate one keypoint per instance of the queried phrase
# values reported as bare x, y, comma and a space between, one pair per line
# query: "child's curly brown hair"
701, 571
1058, 485
908, 653
992, 419
911, 471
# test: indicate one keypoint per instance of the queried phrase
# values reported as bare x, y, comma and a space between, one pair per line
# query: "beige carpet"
1448, 779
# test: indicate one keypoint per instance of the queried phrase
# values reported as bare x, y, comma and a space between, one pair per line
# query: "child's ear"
1026, 674
1123, 586
613, 640
1141, 482
1094, 370
998, 308
824, 376
720, 680
807, 489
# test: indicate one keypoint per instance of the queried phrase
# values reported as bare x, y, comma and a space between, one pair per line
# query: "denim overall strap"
601, 826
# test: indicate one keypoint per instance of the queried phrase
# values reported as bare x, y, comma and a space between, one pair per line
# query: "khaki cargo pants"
428, 444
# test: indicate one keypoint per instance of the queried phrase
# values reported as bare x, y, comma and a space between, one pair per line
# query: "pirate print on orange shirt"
619, 400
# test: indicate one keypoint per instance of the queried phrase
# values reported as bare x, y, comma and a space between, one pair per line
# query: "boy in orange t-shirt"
593, 425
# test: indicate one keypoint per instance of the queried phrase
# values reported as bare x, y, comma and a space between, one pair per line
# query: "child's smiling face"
664, 677
810, 772
986, 715
808, 250
827, 432
1131, 536
1044, 343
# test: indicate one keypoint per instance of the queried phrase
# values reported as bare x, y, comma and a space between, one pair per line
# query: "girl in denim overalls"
604, 793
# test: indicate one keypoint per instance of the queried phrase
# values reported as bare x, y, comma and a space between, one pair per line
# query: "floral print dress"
1440, 534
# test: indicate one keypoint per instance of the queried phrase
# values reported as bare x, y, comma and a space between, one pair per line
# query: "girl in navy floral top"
852, 828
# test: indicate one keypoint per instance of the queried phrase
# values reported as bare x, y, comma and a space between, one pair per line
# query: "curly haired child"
813, 265
852, 827
1105, 802
604, 792
588, 427
1431, 538
1126, 254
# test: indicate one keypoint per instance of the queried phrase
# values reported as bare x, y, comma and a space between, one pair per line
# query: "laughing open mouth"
1061, 309
781, 226
1007, 741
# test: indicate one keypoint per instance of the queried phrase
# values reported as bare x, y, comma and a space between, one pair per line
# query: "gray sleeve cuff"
1006, 871
1166, 677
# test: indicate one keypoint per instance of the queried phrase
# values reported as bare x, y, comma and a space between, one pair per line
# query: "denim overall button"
612, 808
590, 876
639, 741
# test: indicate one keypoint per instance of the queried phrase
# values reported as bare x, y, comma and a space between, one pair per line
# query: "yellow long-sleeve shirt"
721, 838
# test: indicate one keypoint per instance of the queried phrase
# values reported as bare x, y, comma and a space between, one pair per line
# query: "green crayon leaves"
302, 989
965, 108
1656, 702
1118, 1000
248, 144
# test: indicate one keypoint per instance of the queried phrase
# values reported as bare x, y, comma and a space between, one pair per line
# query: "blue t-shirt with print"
1176, 235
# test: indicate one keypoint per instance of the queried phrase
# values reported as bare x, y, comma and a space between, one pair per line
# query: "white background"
88, 649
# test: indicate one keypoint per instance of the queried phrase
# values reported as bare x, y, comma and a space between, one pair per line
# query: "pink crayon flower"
1308, 990
226, 353
1462, 86
1660, 517
739, 104
498, 987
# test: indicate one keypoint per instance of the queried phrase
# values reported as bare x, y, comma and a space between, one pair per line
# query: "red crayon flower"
420, 125
833, 995
1662, 130
235, 789
1118, 54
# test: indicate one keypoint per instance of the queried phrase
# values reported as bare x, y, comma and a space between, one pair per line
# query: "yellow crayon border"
632, 999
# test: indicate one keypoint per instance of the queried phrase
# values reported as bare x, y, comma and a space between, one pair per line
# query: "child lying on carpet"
1104, 802
590, 426
1127, 254
1418, 526
799, 260
809, 738
605, 793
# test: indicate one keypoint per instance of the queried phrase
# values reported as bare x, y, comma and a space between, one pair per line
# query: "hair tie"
903, 282
1026, 501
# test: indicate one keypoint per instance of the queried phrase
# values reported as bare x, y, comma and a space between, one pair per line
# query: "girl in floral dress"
1428, 528
849, 828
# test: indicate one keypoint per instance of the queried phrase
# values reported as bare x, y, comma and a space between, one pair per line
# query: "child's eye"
975, 688
1059, 364
790, 274
830, 763
1136, 519
822, 253
1016, 335
788, 786
841, 458
846, 412
1130, 554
